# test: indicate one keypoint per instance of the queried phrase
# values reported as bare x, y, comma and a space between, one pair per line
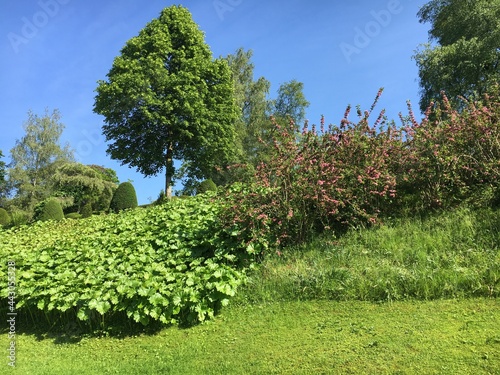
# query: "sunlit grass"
412, 296
447, 256
313, 337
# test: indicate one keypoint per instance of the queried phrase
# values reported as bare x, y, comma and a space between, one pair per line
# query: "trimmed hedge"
207, 185
19, 217
51, 210
124, 197
87, 210
4, 217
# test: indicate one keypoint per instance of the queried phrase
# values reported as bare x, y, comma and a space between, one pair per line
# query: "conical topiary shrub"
207, 185
87, 210
4, 217
51, 210
124, 197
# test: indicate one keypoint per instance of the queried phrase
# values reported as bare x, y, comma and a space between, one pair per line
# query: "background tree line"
463, 53
166, 98
40, 169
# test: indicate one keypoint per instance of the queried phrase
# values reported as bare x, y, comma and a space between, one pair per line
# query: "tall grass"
453, 254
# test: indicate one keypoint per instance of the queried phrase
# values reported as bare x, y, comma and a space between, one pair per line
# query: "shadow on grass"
66, 328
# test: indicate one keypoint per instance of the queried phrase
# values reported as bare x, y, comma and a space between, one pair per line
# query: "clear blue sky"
54, 51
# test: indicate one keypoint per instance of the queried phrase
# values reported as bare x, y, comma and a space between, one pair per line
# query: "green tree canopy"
464, 59
36, 156
106, 174
166, 98
251, 122
2, 169
291, 102
3, 173
85, 185
252, 101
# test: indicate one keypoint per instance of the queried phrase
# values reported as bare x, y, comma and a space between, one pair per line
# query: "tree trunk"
169, 169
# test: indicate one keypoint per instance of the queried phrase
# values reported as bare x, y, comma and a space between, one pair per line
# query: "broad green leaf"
177, 300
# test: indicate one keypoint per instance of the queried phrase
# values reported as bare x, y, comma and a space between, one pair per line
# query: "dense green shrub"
73, 215
87, 210
169, 263
85, 184
452, 158
66, 204
206, 185
4, 217
20, 217
50, 210
124, 197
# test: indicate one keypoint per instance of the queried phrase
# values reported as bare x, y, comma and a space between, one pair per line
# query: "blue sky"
54, 52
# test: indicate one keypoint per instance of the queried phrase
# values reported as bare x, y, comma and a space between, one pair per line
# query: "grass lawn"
411, 297
308, 337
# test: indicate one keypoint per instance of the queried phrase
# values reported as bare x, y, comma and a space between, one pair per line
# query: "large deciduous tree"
255, 107
291, 102
36, 156
3, 181
253, 104
463, 55
166, 98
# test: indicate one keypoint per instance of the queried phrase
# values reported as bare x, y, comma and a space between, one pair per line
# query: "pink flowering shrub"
315, 180
357, 173
453, 158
